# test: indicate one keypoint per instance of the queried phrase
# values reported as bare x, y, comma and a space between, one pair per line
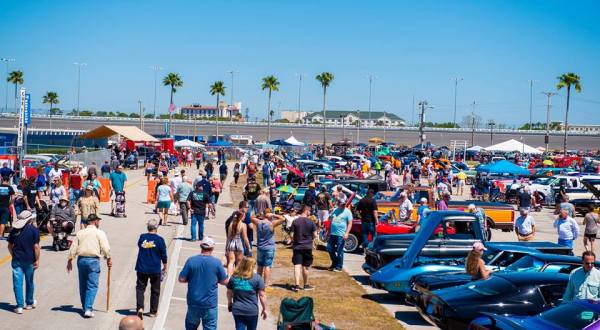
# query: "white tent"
292, 140
475, 148
185, 143
513, 145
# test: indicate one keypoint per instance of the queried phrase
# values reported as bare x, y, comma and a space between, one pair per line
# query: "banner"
27, 110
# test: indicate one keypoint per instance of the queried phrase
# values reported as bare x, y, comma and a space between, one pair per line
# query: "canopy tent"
185, 143
293, 141
279, 142
475, 148
512, 146
503, 167
128, 132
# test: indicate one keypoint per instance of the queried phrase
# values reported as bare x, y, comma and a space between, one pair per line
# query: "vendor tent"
128, 132
279, 142
512, 146
293, 141
475, 148
185, 143
503, 167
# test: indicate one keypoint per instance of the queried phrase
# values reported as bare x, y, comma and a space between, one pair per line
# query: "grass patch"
338, 297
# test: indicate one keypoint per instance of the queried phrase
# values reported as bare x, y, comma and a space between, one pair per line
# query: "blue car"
574, 315
396, 276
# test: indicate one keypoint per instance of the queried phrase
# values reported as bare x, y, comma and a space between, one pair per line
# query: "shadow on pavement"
384, 298
410, 318
125, 312
7, 307
68, 309
362, 279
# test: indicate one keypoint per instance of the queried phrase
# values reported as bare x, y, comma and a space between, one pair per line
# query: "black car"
515, 293
537, 262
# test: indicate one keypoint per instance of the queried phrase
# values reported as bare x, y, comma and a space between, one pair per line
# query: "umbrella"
287, 189
548, 162
295, 171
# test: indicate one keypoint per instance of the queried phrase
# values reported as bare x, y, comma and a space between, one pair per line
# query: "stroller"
119, 208
296, 314
62, 227
42, 216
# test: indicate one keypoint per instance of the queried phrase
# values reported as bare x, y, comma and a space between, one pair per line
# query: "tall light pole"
371, 77
424, 106
358, 126
473, 124
343, 127
456, 80
384, 123
300, 75
491, 124
232, 73
79, 65
531, 102
6, 61
141, 115
156, 68
547, 136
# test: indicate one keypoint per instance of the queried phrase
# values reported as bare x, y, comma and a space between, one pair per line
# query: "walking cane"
108, 290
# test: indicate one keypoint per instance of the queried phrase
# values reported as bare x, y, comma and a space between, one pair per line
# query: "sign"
20, 128
27, 110
171, 108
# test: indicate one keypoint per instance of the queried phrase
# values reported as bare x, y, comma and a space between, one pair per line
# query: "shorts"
264, 258
460, 183
302, 257
591, 237
4, 215
163, 205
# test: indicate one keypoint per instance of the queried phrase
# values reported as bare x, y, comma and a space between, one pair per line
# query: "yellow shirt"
90, 242
87, 206
461, 175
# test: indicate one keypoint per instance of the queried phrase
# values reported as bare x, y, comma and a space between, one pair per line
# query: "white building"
209, 111
336, 117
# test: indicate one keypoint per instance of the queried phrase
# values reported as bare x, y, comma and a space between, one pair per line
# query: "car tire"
351, 244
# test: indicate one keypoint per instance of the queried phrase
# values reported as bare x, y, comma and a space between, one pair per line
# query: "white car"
545, 186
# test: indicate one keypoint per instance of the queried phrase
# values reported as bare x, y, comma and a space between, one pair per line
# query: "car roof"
511, 247
523, 278
559, 258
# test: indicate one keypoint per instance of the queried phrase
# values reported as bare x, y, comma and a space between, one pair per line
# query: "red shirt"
75, 181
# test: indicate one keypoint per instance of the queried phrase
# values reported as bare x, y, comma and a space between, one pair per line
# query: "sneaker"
88, 314
32, 306
337, 270
308, 287
295, 288
19, 310
140, 314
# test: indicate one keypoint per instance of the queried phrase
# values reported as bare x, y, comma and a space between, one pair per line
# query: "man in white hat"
24, 248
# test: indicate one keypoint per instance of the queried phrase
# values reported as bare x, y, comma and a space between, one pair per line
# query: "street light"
79, 65
343, 127
384, 124
424, 106
232, 73
491, 124
156, 68
6, 61
456, 80
141, 115
300, 75
358, 126
222, 105
547, 137
531, 102
371, 78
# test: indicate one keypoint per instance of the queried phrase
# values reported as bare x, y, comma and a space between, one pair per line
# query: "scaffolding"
459, 144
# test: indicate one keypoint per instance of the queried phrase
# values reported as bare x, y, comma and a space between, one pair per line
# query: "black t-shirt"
252, 191
323, 201
24, 239
524, 199
30, 192
309, 197
6, 192
366, 206
198, 201
303, 229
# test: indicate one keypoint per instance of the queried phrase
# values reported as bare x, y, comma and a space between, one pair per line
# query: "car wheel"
351, 243
489, 234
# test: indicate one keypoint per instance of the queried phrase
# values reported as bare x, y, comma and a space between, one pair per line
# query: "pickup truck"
444, 234
545, 185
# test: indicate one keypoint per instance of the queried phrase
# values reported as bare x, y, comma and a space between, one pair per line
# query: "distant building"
336, 117
293, 116
582, 128
209, 111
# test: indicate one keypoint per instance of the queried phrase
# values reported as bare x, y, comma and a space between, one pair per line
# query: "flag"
171, 107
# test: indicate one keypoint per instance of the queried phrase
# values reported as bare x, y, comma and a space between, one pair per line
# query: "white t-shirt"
55, 174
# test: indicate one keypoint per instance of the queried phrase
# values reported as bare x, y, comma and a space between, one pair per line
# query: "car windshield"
492, 286
542, 181
527, 263
571, 316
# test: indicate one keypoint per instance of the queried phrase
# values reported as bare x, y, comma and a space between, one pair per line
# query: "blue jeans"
335, 247
366, 229
266, 180
206, 316
245, 322
89, 274
197, 220
74, 195
20, 271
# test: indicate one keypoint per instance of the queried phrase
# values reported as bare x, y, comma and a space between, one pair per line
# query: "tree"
218, 89
86, 113
272, 84
134, 115
325, 79
50, 98
15, 77
174, 81
149, 115
567, 80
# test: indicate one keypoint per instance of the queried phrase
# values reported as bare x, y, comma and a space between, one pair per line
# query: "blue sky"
414, 48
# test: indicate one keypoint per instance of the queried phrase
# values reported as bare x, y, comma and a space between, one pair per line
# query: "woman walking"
237, 241
236, 172
164, 199
216, 187
58, 192
244, 290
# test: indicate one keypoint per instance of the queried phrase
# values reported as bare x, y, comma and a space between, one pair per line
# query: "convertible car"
443, 234
574, 315
515, 293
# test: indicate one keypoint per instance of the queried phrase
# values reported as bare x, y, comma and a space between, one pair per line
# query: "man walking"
182, 194
223, 172
567, 228
203, 273
303, 232
367, 207
525, 225
7, 194
24, 248
117, 184
197, 201
341, 223
89, 245
152, 251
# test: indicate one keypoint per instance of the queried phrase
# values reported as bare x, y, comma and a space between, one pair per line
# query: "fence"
87, 158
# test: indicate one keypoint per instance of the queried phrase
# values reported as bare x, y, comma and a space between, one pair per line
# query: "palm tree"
15, 77
50, 98
174, 80
218, 89
567, 80
325, 79
272, 84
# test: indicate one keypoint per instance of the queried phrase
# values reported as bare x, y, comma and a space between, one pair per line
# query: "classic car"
514, 293
497, 215
514, 262
389, 200
582, 205
398, 275
361, 186
572, 315
458, 231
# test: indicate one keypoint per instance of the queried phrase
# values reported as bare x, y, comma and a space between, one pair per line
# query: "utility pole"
343, 127
455, 93
231, 72
412, 116
371, 77
141, 115
547, 136
473, 125
156, 68
491, 124
299, 94
358, 127
79, 65
6, 61
424, 106
531, 102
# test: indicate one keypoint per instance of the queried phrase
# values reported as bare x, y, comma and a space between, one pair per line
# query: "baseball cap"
478, 246
207, 243
93, 217
424, 200
89, 187
23, 218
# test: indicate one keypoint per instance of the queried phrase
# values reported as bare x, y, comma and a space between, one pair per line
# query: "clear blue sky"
413, 47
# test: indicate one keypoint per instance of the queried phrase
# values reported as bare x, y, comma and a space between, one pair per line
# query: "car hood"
442, 280
391, 241
401, 270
